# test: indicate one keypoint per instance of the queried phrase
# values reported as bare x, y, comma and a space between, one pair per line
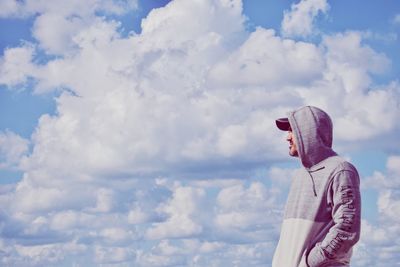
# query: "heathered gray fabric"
325, 191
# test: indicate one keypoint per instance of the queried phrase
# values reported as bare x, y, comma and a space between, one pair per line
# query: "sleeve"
345, 199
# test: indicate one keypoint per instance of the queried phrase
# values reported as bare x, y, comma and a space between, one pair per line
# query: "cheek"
294, 141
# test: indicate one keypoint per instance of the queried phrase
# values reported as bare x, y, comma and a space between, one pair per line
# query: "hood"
313, 133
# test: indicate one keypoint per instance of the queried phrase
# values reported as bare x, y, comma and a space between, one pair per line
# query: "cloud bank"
152, 156
299, 21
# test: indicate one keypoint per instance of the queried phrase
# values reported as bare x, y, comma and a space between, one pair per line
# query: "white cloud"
56, 39
9, 8
270, 61
182, 124
387, 38
183, 215
57, 23
114, 255
280, 180
16, 65
12, 149
247, 213
232, 140
66, 220
39, 198
281, 177
349, 47
185, 125
214, 254
224, 20
104, 200
137, 216
377, 246
299, 21
347, 82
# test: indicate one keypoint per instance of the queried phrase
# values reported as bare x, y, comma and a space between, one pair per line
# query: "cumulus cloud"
12, 149
181, 210
377, 247
151, 154
246, 208
347, 82
9, 7
116, 86
57, 23
185, 229
16, 65
299, 21
269, 61
56, 40
206, 254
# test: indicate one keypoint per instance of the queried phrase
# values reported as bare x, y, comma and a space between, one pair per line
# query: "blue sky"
145, 129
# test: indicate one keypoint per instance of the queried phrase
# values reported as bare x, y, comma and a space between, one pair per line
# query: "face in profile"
292, 144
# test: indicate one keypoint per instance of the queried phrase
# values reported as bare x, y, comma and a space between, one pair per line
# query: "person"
322, 215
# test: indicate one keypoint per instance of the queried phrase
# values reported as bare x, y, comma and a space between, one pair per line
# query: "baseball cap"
283, 124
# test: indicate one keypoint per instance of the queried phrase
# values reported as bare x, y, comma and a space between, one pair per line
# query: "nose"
289, 136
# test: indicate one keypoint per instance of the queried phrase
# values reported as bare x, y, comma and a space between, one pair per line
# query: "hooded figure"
322, 215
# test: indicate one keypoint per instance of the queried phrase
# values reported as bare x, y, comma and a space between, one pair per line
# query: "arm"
346, 212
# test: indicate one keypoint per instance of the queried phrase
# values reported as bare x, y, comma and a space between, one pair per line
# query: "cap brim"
283, 124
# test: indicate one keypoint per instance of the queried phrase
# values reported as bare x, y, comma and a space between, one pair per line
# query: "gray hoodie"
322, 215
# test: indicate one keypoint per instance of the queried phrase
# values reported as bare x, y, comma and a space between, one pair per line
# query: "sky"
142, 132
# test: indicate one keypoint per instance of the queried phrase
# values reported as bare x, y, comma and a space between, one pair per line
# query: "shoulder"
337, 164
345, 166
345, 173
340, 170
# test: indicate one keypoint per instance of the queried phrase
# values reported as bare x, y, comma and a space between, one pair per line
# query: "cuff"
316, 257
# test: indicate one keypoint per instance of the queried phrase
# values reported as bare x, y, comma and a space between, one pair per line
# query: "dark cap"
283, 124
